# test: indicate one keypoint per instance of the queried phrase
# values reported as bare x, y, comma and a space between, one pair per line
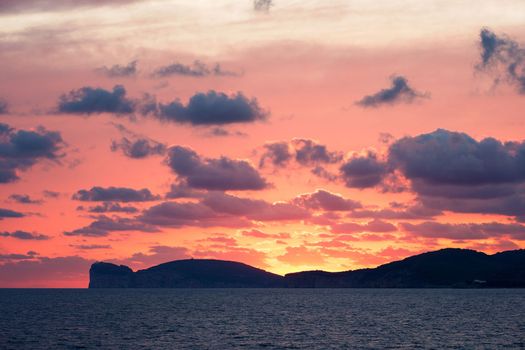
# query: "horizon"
370, 267
286, 135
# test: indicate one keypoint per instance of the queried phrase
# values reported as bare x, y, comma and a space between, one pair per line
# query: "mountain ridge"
445, 268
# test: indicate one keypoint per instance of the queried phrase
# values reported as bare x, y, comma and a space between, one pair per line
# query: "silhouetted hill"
456, 268
443, 268
184, 274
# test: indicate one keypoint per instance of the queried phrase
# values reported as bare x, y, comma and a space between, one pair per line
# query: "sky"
287, 135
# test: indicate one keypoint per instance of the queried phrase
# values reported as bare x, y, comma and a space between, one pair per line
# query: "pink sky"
360, 184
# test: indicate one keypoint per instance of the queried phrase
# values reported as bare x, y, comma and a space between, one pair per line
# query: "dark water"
262, 319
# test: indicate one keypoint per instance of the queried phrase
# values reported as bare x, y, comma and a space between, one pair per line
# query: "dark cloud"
197, 69
7, 213
452, 158
262, 5
363, 171
399, 92
324, 200
303, 151
222, 132
88, 100
465, 231
504, 58
138, 148
119, 71
14, 6
4, 108
213, 174
506, 205
212, 108
309, 152
453, 171
108, 207
24, 199
23, 235
278, 153
321, 172
21, 149
114, 194
105, 225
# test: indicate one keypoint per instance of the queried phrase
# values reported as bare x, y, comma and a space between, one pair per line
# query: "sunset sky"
288, 135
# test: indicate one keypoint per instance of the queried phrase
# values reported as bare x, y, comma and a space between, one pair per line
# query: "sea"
262, 319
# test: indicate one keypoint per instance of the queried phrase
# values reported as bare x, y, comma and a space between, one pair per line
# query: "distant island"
446, 268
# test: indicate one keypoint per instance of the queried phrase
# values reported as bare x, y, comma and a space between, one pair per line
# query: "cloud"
465, 231
181, 190
4, 108
453, 171
412, 212
222, 132
254, 209
452, 158
119, 71
278, 153
51, 194
14, 6
363, 171
7, 213
175, 214
323, 173
138, 148
502, 57
24, 199
21, 149
212, 108
513, 204
399, 92
213, 174
262, 5
375, 225
15, 257
324, 200
304, 152
197, 70
309, 152
88, 100
44, 272
90, 246
217, 209
114, 194
23, 235
280, 212
231, 205
105, 225
108, 207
